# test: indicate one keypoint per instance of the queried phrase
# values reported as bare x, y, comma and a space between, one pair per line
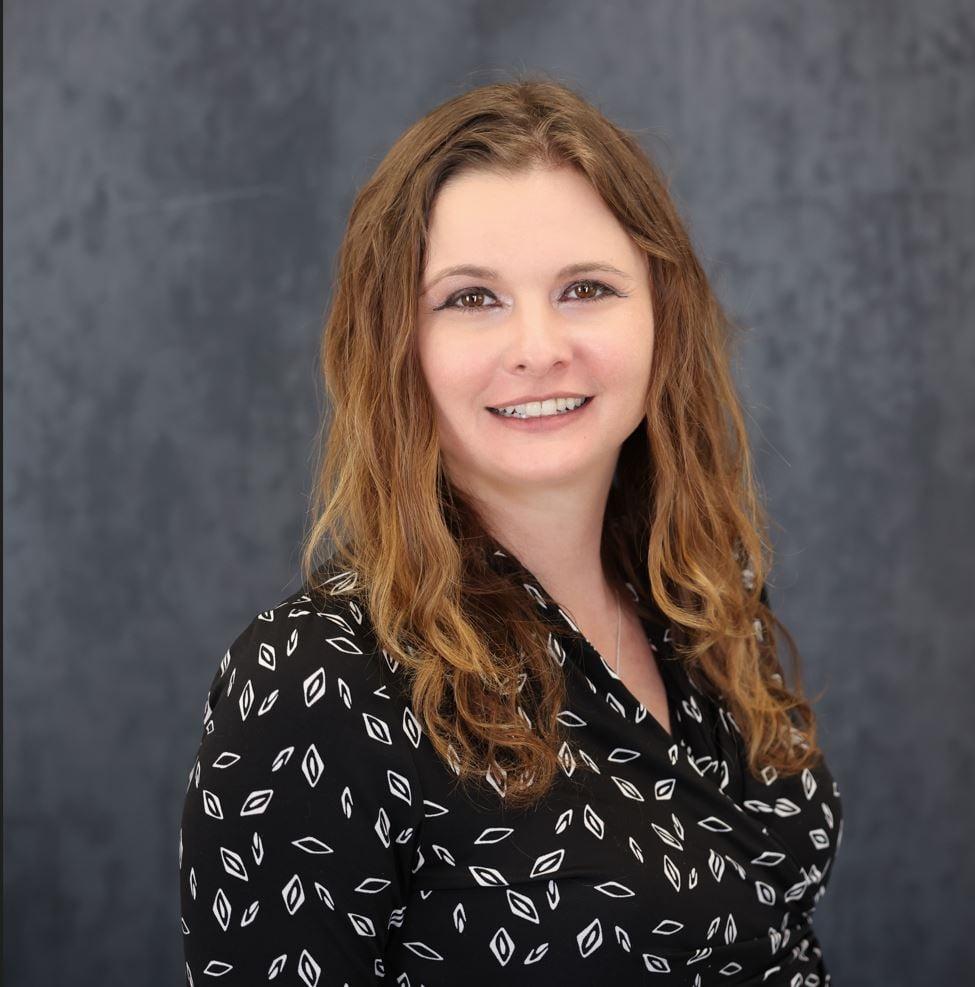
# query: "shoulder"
309, 666
294, 638
305, 779
299, 696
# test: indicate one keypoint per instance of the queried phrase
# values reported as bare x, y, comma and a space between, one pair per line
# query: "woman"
526, 721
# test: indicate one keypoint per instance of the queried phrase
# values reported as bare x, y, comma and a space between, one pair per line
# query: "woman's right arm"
301, 816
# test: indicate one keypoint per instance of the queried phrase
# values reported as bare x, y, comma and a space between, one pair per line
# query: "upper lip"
528, 398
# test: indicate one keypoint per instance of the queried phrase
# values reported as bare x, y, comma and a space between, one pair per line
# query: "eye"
451, 302
467, 293
593, 285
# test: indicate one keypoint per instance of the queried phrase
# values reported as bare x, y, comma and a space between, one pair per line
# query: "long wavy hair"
684, 518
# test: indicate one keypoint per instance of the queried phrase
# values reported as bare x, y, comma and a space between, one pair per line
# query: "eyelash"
449, 303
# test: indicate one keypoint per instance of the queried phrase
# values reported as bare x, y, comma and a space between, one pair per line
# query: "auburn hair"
684, 520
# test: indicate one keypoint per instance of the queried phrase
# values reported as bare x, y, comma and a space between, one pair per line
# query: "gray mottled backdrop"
177, 178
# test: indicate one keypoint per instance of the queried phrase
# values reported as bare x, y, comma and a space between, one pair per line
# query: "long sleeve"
300, 822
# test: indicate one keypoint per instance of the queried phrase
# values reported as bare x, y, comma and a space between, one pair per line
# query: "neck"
567, 561
555, 531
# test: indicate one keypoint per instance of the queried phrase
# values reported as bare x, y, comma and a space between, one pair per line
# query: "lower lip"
547, 423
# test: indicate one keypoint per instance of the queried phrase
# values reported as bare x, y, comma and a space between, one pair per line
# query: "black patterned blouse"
323, 841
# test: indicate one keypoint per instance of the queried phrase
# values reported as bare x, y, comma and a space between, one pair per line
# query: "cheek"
456, 374
636, 356
623, 360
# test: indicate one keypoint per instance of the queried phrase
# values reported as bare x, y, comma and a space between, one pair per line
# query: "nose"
537, 339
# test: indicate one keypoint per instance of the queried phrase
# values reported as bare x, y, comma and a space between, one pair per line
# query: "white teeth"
541, 409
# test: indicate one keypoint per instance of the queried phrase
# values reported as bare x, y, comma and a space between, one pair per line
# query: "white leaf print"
399, 786
217, 968
312, 765
422, 949
246, 700
502, 945
494, 834
673, 874
620, 755
382, 827
314, 686
211, 805
344, 644
664, 788
443, 854
613, 889
266, 657
786, 807
591, 938
547, 863
487, 877
592, 821
256, 802
566, 759
377, 729
282, 758
666, 837
411, 727
269, 701
233, 864
716, 864
293, 636
628, 789
308, 969
311, 844
221, 909
522, 906
325, 896
552, 895
293, 894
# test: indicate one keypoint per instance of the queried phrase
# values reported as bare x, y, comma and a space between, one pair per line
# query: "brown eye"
594, 290
465, 295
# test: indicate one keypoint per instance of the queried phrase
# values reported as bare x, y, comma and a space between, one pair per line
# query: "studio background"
177, 179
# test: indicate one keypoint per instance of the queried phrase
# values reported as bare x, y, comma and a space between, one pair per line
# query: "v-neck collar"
657, 633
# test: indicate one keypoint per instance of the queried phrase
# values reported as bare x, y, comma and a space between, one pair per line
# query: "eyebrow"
473, 271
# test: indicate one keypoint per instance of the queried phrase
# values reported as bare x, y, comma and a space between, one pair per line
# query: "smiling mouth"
528, 417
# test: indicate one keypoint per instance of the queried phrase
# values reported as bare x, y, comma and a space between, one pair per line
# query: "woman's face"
526, 326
